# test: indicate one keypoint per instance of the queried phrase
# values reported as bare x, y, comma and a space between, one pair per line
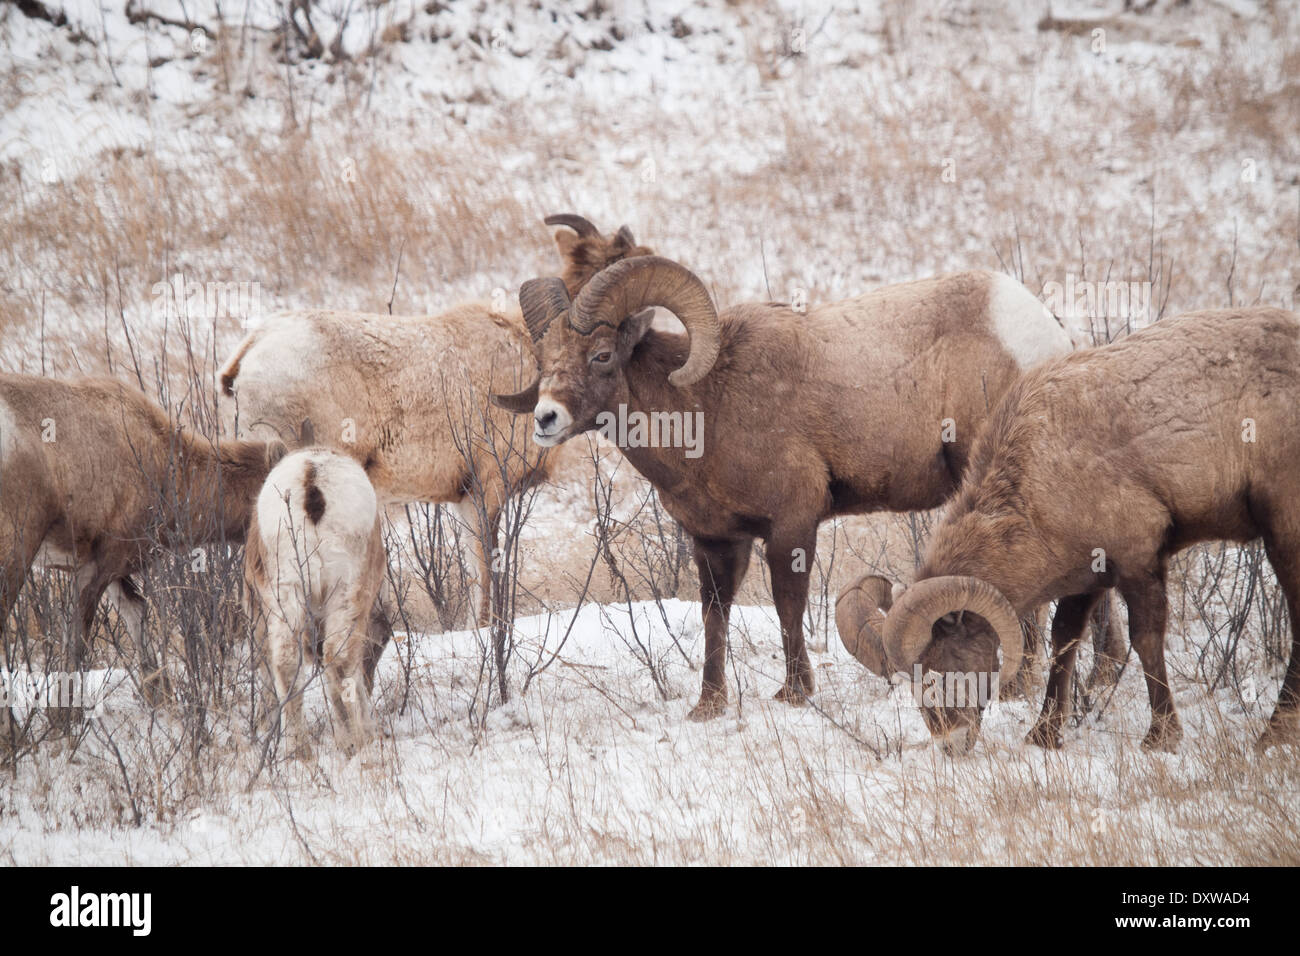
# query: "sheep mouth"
551, 438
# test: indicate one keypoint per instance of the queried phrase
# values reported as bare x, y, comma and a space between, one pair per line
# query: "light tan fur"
117, 479
407, 396
313, 566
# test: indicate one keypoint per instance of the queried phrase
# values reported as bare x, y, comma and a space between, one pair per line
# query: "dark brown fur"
585, 256
806, 416
313, 498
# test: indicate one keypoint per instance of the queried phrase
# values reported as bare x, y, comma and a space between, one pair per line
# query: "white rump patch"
1024, 325
8, 431
326, 555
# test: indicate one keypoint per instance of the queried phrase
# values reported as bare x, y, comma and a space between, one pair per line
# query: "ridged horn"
860, 619
908, 626
639, 283
541, 300
521, 403
578, 224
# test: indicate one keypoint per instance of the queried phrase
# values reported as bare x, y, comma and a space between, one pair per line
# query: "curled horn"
908, 626
578, 224
521, 403
860, 619
542, 300
631, 285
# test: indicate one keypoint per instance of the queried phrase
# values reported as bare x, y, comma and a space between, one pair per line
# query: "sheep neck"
666, 466
216, 485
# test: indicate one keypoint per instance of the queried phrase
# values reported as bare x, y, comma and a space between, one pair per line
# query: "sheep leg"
1148, 612
484, 521
1110, 647
288, 674
18, 546
789, 559
1031, 667
131, 608
345, 679
1067, 630
1284, 726
722, 566
379, 633
20, 539
89, 582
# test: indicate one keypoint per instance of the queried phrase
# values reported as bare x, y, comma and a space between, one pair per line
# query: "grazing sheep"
862, 405
313, 567
1093, 471
93, 475
860, 607
407, 396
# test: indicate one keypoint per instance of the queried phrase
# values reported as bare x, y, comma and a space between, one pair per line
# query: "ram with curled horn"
797, 416
1093, 472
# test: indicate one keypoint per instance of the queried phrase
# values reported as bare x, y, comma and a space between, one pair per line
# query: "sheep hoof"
1163, 737
960, 742
797, 689
1279, 733
795, 696
1105, 675
1045, 736
709, 707
67, 721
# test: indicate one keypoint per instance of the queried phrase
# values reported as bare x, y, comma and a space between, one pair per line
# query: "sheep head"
945, 630
586, 251
584, 344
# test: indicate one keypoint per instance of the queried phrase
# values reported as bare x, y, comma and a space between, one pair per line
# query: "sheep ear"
307, 433
521, 403
633, 330
624, 237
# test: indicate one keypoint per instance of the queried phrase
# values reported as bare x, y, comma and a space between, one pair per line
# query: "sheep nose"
545, 419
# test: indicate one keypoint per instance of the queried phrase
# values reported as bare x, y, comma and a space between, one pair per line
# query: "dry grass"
1103, 170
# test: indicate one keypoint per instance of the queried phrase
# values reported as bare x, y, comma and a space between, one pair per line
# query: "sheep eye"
601, 358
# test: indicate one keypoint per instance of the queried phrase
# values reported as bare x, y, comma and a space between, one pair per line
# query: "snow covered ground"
776, 146
592, 765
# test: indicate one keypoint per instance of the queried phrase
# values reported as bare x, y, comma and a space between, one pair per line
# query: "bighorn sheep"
313, 565
93, 474
867, 404
404, 394
1092, 472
